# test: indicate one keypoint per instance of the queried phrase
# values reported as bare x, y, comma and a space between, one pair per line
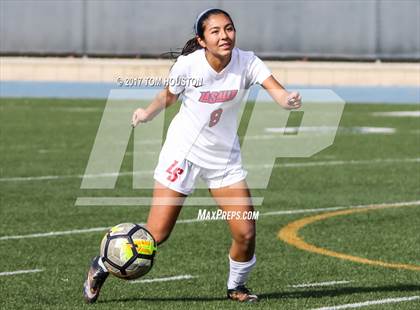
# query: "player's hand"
294, 100
139, 116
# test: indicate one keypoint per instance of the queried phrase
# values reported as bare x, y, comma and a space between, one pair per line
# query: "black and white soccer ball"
128, 251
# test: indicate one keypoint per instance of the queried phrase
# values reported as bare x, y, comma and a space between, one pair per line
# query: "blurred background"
317, 43
327, 29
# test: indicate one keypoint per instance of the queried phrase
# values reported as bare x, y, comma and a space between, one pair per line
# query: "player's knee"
246, 236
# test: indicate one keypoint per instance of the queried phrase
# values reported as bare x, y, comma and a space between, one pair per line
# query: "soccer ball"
128, 251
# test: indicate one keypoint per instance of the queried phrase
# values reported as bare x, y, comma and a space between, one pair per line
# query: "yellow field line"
289, 234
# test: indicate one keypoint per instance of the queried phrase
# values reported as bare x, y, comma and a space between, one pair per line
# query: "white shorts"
182, 176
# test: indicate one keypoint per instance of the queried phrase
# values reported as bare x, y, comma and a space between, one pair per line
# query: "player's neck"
217, 63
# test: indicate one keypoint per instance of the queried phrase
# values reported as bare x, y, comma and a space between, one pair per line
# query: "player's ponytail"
192, 45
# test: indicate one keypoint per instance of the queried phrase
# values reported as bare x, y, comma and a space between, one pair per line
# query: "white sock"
239, 271
101, 263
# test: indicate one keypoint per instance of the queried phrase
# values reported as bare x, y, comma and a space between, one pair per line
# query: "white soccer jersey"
205, 129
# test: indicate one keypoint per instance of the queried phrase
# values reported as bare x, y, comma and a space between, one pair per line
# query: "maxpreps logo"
108, 153
217, 96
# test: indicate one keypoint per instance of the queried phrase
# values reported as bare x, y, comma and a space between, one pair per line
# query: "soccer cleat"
95, 278
242, 294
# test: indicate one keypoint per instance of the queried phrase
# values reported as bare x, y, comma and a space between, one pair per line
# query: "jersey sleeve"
258, 72
177, 75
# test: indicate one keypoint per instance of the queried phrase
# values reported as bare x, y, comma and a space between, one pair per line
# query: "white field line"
194, 220
74, 176
370, 130
396, 204
329, 129
55, 233
330, 283
370, 303
174, 278
77, 109
12, 273
286, 212
335, 163
264, 166
398, 114
272, 132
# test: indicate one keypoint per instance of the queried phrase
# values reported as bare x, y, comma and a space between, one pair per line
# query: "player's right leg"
166, 205
174, 181
95, 278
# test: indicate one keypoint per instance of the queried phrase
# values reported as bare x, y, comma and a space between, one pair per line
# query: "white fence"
340, 29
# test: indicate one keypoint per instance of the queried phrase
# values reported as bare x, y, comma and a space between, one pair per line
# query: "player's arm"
162, 100
287, 100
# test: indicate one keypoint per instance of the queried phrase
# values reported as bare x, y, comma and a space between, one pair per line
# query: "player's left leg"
236, 199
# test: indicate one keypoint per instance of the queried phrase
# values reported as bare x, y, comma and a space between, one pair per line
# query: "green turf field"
53, 138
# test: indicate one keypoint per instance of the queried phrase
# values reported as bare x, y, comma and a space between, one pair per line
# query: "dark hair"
192, 45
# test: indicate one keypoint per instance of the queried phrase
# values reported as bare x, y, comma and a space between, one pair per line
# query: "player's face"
219, 35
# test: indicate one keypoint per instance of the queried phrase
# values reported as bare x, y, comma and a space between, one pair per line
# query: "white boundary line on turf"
282, 212
370, 303
329, 129
12, 273
284, 165
396, 204
55, 233
415, 113
319, 284
336, 163
174, 278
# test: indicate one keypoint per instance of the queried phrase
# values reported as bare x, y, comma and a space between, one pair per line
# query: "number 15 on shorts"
174, 172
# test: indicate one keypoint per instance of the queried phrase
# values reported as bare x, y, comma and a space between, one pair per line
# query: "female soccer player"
202, 141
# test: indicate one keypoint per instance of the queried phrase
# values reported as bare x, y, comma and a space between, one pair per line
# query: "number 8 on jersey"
215, 117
